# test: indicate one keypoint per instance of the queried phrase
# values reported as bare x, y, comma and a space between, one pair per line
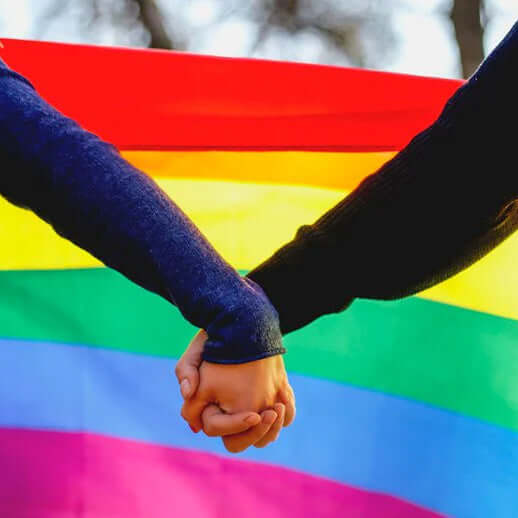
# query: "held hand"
216, 423
238, 390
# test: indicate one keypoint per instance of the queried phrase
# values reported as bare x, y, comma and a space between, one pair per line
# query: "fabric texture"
442, 203
93, 197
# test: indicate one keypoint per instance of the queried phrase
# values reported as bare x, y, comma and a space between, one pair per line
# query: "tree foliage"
124, 15
357, 29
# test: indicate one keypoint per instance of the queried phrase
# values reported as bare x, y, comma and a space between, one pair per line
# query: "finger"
192, 410
189, 379
187, 367
241, 441
288, 398
276, 428
217, 424
192, 356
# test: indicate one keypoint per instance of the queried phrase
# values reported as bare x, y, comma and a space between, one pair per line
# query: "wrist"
246, 331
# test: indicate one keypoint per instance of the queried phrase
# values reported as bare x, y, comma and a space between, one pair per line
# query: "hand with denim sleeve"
90, 195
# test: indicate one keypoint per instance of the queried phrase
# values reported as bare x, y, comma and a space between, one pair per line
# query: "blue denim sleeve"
93, 197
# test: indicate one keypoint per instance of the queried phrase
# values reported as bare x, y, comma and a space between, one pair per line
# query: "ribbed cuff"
248, 332
214, 354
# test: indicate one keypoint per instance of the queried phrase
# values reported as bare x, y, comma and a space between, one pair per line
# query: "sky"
425, 42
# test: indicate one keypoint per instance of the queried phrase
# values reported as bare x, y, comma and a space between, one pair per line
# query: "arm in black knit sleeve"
93, 197
439, 205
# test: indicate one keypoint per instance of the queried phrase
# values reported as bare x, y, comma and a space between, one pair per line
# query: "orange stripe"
329, 170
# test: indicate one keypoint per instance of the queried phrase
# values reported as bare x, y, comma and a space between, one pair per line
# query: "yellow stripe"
342, 171
246, 222
491, 285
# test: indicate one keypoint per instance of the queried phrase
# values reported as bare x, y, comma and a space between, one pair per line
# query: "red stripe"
57, 474
150, 99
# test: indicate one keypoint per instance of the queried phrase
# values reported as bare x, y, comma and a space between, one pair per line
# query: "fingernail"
185, 388
252, 419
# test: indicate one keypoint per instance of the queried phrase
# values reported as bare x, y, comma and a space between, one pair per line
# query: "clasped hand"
245, 404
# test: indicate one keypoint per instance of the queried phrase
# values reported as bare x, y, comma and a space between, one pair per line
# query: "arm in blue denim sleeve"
93, 197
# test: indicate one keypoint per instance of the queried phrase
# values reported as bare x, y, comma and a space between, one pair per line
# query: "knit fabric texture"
439, 205
90, 195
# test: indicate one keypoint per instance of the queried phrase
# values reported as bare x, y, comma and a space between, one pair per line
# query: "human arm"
93, 197
442, 203
439, 205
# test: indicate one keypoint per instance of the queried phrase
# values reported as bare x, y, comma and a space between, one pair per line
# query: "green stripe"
450, 357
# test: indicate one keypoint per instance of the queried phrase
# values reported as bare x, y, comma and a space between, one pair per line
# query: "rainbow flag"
406, 409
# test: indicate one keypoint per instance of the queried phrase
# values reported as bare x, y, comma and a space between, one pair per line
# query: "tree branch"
465, 15
152, 20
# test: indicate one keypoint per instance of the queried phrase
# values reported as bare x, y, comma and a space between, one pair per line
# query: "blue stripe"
446, 462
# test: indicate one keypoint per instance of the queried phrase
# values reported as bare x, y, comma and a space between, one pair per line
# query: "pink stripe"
72, 475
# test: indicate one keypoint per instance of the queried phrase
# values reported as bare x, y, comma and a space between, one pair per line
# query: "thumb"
187, 367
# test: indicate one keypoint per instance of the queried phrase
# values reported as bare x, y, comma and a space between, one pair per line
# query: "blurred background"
445, 38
